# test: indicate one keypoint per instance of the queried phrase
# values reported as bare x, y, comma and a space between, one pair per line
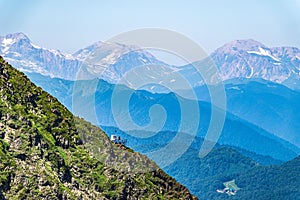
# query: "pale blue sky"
69, 25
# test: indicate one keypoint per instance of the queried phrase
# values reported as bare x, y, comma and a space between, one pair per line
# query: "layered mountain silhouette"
236, 132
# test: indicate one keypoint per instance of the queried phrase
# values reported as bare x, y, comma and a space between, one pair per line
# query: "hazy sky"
69, 25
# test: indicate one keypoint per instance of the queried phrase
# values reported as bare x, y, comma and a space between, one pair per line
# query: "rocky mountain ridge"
110, 61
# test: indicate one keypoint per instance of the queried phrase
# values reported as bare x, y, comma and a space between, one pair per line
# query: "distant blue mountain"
266, 104
236, 132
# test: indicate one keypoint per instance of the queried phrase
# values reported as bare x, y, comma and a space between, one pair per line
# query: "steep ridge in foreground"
48, 153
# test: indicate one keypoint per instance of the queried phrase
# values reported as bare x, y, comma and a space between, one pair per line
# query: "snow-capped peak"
10, 39
16, 37
251, 59
115, 59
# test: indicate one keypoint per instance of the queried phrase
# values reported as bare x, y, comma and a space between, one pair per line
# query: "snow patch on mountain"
264, 52
251, 59
35, 46
7, 41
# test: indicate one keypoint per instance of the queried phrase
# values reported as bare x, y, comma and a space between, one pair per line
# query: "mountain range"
243, 119
110, 61
266, 104
238, 61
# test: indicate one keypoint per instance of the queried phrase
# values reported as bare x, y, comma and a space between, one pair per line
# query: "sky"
69, 25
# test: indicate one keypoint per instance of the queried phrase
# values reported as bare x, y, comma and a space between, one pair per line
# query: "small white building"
113, 137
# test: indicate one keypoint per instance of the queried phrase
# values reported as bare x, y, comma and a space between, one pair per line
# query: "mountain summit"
28, 57
16, 36
241, 45
251, 59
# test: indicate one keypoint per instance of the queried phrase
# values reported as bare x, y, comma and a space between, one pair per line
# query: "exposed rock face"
48, 153
110, 60
251, 59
